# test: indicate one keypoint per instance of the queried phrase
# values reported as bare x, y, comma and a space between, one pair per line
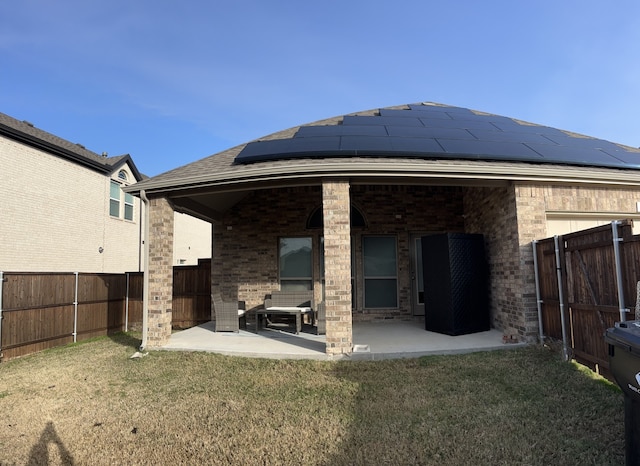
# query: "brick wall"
492, 213
160, 271
245, 241
509, 237
55, 216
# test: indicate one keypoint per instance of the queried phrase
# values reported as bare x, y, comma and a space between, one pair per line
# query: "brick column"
532, 225
160, 271
337, 265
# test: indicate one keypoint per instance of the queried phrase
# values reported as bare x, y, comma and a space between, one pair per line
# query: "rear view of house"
339, 207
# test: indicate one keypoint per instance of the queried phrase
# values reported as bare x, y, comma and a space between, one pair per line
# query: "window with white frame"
380, 264
114, 199
128, 206
295, 264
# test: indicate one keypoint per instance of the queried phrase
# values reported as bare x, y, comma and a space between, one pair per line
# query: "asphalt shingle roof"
409, 137
27, 133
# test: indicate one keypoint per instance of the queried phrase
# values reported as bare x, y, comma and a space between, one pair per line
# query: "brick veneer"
511, 218
160, 272
245, 240
337, 260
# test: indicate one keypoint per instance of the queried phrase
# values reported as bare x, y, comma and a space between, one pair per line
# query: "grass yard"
91, 404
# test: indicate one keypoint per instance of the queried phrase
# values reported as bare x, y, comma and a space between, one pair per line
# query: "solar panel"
380, 120
490, 149
439, 109
438, 131
506, 136
364, 144
417, 146
341, 130
412, 114
429, 132
460, 124
579, 155
629, 159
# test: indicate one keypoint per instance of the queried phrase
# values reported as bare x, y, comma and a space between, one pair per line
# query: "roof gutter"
52, 148
530, 173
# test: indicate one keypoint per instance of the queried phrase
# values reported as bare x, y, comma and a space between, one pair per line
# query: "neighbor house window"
295, 264
114, 199
380, 272
128, 206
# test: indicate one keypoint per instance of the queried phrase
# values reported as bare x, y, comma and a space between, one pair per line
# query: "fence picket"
44, 310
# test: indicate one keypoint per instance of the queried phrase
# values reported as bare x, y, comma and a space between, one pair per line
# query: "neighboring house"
63, 208
339, 206
192, 240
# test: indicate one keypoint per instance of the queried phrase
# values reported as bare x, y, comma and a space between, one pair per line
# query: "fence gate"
599, 270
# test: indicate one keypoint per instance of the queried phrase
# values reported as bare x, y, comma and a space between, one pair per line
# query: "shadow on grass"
127, 339
480, 408
40, 453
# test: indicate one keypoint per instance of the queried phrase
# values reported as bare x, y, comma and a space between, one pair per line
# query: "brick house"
347, 194
63, 208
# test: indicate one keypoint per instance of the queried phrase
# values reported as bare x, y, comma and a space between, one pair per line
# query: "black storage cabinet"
456, 283
624, 362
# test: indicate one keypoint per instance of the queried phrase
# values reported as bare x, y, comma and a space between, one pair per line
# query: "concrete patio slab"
371, 340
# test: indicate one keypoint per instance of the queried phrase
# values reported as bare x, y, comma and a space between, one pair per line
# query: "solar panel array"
441, 132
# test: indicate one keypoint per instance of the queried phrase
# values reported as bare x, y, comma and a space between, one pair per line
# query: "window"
295, 264
128, 206
380, 272
114, 199
122, 175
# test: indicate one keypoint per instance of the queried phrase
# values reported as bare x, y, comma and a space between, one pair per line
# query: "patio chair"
229, 314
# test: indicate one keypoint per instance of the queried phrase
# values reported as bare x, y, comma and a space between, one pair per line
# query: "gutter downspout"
616, 250
565, 350
538, 300
145, 273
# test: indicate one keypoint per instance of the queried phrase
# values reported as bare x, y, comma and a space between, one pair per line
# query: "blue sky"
170, 82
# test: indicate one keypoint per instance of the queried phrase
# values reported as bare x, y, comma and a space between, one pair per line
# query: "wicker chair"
228, 315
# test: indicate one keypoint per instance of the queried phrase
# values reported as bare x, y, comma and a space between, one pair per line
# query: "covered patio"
372, 341
339, 207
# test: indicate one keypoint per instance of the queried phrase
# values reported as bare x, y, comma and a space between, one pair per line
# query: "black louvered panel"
455, 284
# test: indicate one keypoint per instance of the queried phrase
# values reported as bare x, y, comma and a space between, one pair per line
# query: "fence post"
75, 310
565, 350
1, 292
616, 251
126, 306
538, 300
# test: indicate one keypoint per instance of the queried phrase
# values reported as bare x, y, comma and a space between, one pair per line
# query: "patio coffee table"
291, 311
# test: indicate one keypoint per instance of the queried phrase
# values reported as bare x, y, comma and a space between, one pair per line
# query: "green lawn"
91, 404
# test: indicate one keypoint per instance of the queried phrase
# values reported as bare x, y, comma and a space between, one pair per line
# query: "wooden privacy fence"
45, 310
583, 279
